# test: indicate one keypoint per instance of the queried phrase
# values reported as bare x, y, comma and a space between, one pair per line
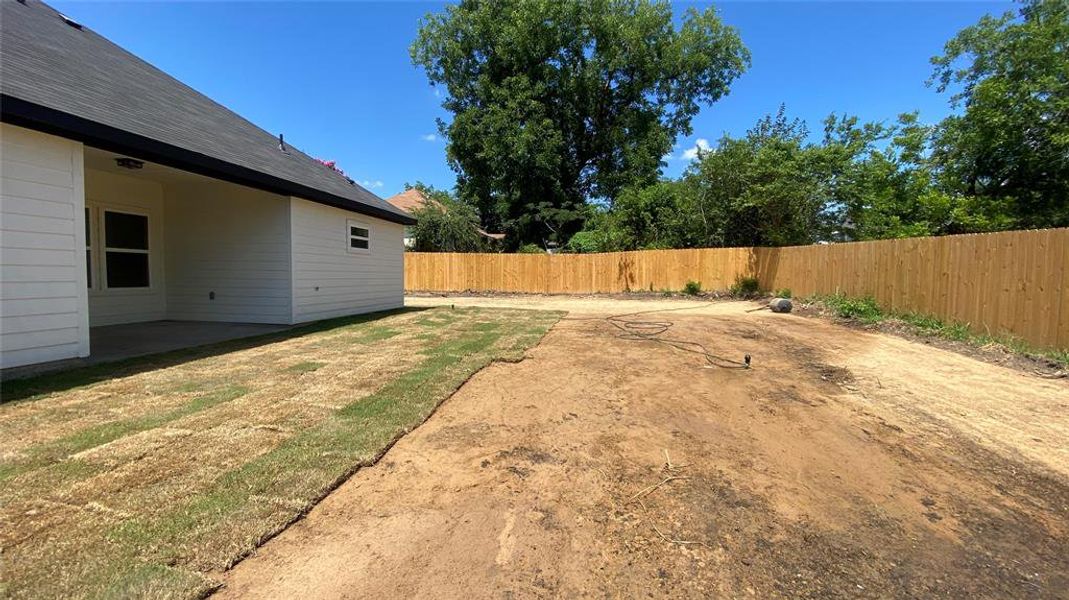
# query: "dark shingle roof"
68, 80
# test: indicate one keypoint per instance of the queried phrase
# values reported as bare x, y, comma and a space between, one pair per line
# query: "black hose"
651, 331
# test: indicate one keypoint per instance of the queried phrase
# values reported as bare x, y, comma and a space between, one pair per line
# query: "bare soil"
994, 353
842, 464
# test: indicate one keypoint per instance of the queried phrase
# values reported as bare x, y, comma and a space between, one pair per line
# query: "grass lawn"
144, 478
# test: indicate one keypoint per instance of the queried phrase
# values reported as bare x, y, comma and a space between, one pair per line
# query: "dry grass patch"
148, 482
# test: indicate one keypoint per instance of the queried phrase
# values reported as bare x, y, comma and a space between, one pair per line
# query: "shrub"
746, 287
863, 309
446, 226
933, 325
530, 249
584, 242
784, 293
692, 288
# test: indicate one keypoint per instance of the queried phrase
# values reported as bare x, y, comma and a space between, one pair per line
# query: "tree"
765, 189
1007, 154
556, 103
445, 224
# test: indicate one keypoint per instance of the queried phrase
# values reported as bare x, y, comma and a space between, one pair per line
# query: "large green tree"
556, 103
1007, 153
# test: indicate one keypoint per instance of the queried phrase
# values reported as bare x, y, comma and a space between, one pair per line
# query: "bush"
530, 249
784, 293
863, 309
446, 226
584, 242
745, 287
935, 326
692, 288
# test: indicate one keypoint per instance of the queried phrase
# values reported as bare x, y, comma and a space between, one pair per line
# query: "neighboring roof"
412, 199
60, 77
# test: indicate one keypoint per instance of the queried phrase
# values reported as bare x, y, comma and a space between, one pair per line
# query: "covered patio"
112, 343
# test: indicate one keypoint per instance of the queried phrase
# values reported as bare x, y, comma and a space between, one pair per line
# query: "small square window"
359, 236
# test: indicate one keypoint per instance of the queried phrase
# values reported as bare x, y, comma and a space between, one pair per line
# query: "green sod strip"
58, 450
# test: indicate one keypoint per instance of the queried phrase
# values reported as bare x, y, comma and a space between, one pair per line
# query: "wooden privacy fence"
1013, 282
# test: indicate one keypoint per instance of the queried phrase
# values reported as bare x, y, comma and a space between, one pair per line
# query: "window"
359, 237
125, 250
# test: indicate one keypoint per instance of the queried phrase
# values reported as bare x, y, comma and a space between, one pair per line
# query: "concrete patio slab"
117, 342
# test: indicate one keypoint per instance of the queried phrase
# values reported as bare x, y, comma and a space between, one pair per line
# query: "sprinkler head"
746, 359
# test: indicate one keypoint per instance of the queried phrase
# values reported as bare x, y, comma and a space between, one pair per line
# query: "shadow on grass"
55, 381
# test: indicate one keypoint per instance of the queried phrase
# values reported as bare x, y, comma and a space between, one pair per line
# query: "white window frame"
102, 232
349, 237
90, 237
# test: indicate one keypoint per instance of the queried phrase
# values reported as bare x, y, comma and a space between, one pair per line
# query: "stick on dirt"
652, 488
665, 537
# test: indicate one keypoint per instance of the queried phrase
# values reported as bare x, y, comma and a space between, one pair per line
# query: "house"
128, 197
412, 199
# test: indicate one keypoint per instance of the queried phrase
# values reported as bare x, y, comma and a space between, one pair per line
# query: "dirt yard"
842, 465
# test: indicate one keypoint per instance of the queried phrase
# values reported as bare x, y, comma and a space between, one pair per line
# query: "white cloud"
430, 137
371, 184
701, 144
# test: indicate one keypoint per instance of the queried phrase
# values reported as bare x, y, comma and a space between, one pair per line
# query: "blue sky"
336, 78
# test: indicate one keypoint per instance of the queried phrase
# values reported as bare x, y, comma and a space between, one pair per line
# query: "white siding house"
228, 254
330, 276
127, 197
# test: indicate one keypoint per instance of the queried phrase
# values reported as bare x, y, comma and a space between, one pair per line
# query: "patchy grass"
97, 435
866, 311
305, 367
147, 483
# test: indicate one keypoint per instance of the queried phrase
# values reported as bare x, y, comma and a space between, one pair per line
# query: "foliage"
765, 189
863, 309
1009, 149
583, 242
745, 287
783, 293
445, 224
652, 217
692, 288
430, 192
555, 103
530, 249
532, 148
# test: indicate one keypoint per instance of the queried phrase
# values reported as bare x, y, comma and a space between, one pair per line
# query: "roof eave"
48, 120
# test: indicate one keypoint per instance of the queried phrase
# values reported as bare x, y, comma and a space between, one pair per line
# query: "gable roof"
411, 200
62, 78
